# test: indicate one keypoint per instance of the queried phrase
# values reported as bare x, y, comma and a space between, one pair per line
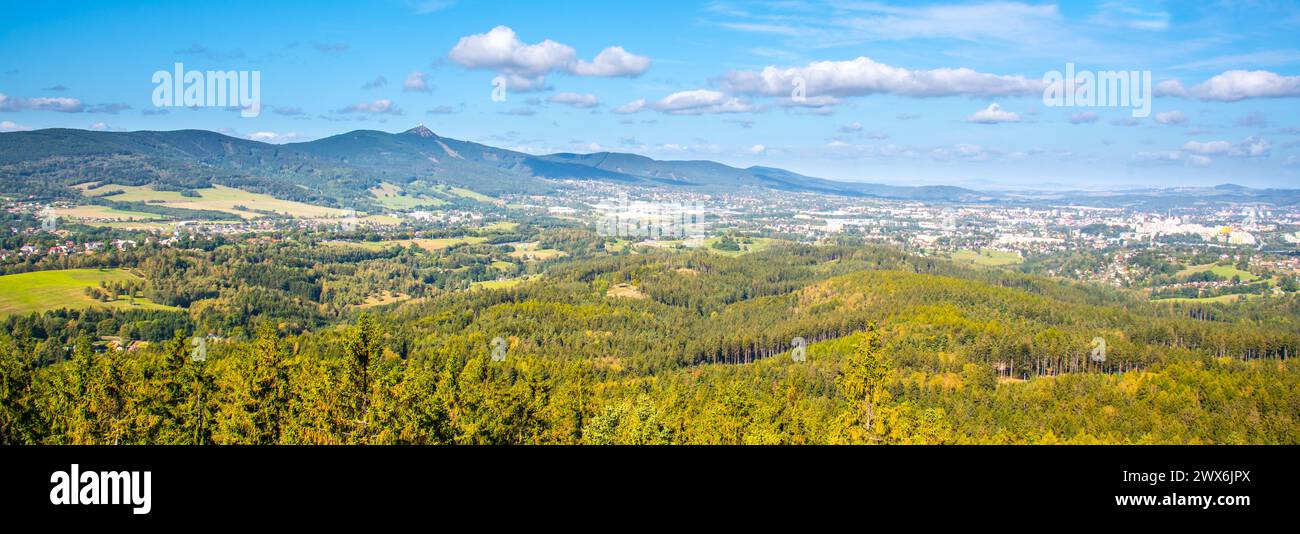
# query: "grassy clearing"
1221, 299
617, 245
531, 252
383, 298
503, 284
626, 291
51, 290
466, 193
755, 244
1223, 271
390, 196
220, 198
987, 257
503, 226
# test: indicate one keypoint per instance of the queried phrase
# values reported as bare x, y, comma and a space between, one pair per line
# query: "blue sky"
903, 93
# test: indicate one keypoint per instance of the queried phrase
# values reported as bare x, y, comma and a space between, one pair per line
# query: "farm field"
121, 225
987, 257
105, 214
50, 290
218, 198
426, 244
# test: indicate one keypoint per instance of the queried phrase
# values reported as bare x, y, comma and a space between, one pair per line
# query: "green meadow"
42, 291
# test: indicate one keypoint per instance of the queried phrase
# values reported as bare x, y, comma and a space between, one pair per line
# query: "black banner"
324, 485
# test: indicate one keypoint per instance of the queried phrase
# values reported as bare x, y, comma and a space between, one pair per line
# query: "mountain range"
339, 170
332, 170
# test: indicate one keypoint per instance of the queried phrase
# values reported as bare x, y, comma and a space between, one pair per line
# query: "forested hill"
45, 163
674, 347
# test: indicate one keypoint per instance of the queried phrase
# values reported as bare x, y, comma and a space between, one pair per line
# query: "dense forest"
670, 347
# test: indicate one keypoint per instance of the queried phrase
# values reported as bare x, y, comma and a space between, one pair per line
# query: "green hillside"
695, 347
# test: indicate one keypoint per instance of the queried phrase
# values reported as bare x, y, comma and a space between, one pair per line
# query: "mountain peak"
420, 131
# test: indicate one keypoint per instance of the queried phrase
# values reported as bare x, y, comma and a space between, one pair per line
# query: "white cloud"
524, 84
527, 65
577, 100
1234, 85
851, 127
964, 152
500, 49
416, 83
1119, 14
611, 62
757, 149
1254, 147
819, 105
382, 106
1170, 158
992, 115
1251, 147
63, 104
1084, 117
1170, 88
60, 104
99, 126
11, 126
273, 137
863, 76
1172, 118
631, 107
1207, 148
701, 101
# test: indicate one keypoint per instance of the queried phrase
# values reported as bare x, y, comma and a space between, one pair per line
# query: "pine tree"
254, 388
364, 348
19, 418
863, 377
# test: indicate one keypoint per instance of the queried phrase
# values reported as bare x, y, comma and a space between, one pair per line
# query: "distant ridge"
337, 167
339, 170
